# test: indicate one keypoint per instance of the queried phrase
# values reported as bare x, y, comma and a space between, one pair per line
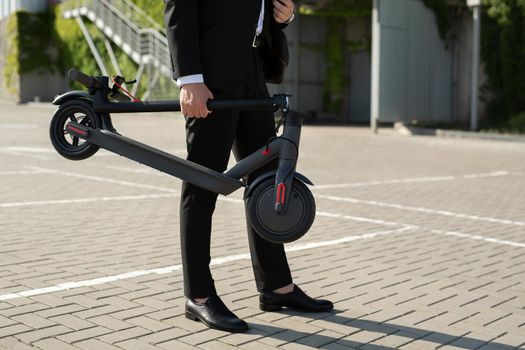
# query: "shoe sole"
273, 308
192, 317
269, 308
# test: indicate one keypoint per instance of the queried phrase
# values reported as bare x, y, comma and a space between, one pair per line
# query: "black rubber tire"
286, 228
57, 132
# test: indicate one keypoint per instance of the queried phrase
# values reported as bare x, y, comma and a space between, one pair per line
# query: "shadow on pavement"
410, 333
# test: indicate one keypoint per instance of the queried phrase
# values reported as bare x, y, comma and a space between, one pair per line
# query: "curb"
405, 129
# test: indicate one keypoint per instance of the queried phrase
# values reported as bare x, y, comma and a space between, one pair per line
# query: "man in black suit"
216, 48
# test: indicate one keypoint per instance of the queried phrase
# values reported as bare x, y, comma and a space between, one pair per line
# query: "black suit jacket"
214, 38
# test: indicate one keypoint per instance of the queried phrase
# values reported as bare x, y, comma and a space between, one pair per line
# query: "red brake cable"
133, 98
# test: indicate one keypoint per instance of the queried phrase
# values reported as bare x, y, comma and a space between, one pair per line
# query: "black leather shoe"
297, 299
215, 314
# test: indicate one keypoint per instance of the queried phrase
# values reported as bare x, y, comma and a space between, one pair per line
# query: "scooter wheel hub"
284, 227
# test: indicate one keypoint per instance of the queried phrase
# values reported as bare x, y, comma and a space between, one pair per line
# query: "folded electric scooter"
279, 205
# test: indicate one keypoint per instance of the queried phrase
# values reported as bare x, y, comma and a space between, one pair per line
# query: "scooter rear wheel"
69, 146
287, 227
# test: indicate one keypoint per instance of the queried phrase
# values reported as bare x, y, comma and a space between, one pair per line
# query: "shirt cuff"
190, 79
289, 20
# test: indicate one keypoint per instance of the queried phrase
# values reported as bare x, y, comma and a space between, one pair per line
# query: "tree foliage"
338, 8
503, 54
501, 10
154, 9
77, 54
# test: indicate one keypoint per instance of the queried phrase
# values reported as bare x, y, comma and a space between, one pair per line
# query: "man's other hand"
193, 98
282, 10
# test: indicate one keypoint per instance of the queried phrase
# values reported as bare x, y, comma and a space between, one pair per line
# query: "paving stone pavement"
419, 241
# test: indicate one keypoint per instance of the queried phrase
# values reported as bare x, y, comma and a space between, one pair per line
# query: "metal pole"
475, 69
376, 35
92, 46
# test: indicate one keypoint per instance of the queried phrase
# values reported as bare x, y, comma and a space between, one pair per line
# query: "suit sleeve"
182, 29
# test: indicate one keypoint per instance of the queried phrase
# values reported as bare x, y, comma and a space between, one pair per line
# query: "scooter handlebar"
81, 78
265, 103
273, 103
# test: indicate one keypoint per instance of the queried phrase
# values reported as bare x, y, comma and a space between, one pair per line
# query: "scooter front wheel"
69, 146
285, 228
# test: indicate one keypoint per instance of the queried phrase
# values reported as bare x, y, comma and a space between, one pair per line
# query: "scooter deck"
181, 168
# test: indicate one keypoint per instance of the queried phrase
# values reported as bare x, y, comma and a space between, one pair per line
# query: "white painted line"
19, 172
69, 285
32, 151
313, 245
174, 193
120, 182
147, 171
118, 198
414, 180
157, 196
9, 296
225, 199
227, 259
422, 210
45, 150
46, 290
84, 200
103, 179
479, 238
231, 258
362, 219
23, 154
319, 213
169, 269
105, 153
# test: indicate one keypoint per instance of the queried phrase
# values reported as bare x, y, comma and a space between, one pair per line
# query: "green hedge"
503, 54
32, 46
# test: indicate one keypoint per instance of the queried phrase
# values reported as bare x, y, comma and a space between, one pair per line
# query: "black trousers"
209, 143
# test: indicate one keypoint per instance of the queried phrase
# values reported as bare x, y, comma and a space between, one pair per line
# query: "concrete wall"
413, 64
304, 78
10, 6
305, 74
420, 78
41, 87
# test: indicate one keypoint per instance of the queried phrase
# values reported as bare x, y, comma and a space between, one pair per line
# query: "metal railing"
129, 27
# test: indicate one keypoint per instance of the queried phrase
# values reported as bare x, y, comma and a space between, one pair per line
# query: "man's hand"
282, 10
193, 98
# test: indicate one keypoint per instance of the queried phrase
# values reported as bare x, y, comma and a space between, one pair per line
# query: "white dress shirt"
199, 78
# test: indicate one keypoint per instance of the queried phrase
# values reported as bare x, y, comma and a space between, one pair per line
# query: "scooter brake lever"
118, 79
